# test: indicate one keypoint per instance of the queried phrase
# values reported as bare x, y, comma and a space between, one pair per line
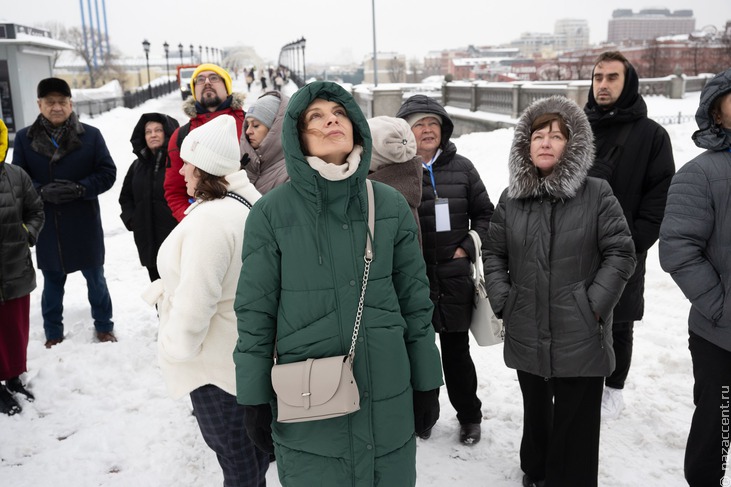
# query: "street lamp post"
208, 57
180, 48
146, 46
200, 53
192, 54
166, 46
375, 55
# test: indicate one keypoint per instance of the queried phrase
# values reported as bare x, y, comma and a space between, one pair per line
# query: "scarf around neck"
333, 172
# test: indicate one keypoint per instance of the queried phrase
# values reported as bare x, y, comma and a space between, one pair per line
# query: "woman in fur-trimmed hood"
558, 255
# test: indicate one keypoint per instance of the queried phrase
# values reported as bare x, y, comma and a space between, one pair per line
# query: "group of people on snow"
252, 224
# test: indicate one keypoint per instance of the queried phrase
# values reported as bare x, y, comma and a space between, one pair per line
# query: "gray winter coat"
559, 253
265, 166
695, 235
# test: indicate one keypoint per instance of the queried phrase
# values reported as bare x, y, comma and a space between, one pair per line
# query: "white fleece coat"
199, 265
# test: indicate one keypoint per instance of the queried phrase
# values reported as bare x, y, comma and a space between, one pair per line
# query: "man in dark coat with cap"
70, 166
634, 154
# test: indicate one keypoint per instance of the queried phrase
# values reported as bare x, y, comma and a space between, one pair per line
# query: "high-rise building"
648, 24
575, 33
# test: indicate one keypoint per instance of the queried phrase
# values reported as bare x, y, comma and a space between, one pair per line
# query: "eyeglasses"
211, 78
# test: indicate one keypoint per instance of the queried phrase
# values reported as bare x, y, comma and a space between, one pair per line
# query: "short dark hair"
613, 56
546, 119
210, 187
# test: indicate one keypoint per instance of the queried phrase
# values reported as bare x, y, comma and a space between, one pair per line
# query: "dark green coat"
300, 282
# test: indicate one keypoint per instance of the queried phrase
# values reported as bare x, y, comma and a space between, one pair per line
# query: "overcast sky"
337, 29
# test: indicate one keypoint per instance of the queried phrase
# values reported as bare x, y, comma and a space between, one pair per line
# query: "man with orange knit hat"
212, 96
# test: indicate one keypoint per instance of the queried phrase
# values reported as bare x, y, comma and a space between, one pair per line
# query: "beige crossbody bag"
324, 388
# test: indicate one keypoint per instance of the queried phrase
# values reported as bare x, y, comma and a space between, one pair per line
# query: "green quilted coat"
300, 283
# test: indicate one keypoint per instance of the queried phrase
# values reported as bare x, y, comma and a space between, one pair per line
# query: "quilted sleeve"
412, 289
256, 305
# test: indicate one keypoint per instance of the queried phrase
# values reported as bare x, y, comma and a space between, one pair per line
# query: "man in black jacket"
634, 154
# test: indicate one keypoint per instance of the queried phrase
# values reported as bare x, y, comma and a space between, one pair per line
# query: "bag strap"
239, 198
478, 270
368, 258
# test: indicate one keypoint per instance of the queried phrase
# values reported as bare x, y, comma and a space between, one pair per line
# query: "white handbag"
485, 326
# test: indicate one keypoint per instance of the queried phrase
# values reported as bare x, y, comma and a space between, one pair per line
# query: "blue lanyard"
428, 167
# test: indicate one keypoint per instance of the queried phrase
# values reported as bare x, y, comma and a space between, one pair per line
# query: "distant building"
648, 24
391, 68
537, 43
575, 33
568, 34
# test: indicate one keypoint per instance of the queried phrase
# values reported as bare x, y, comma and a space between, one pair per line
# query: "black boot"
529, 482
470, 433
8, 404
15, 385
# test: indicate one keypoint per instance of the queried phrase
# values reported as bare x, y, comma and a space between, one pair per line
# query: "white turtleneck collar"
333, 172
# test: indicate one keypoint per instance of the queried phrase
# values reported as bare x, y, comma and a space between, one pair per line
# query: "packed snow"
102, 417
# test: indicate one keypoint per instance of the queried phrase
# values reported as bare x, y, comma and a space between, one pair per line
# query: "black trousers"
706, 453
221, 420
622, 334
460, 376
561, 423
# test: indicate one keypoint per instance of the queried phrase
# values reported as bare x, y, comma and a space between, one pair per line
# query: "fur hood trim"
571, 170
237, 103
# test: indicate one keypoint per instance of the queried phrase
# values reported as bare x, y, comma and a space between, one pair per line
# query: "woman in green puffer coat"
299, 289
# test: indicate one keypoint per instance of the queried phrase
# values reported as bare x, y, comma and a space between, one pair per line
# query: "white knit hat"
393, 141
213, 147
415, 117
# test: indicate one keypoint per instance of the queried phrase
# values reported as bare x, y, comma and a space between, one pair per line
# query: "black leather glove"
258, 424
426, 410
62, 191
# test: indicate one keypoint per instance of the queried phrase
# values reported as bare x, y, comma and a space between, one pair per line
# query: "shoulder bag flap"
311, 382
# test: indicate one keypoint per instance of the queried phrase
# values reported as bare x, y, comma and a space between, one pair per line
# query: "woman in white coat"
199, 265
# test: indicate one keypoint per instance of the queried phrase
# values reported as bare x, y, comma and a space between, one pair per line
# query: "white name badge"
441, 212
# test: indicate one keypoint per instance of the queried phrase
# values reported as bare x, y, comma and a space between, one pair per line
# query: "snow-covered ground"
102, 418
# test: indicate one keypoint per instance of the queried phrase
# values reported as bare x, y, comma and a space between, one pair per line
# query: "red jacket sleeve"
176, 193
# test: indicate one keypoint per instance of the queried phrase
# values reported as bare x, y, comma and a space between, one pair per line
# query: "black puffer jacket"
21, 220
559, 253
458, 181
695, 236
639, 179
144, 209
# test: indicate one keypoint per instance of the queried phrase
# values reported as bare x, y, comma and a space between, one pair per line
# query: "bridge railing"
292, 58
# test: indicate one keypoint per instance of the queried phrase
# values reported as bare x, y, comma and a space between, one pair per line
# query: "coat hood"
270, 149
710, 135
629, 107
297, 167
571, 169
630, 91
424, 104
192, 108
139, 145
